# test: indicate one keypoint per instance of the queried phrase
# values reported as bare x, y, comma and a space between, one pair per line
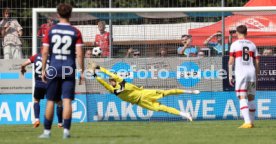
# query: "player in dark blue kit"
63, 43
40, 89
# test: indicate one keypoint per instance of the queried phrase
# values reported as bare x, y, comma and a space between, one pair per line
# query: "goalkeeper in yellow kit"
146, 98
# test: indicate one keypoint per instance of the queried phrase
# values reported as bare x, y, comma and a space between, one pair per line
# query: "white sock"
252, 109
47, 132
188, 91
245, 111
183, 114
66, 131
36, 119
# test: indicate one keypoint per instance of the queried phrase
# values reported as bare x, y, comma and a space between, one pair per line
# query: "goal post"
156, 35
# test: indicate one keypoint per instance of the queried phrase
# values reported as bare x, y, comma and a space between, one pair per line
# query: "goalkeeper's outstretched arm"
112, 75
104, 83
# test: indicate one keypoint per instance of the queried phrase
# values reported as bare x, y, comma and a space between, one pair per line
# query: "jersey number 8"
61, 52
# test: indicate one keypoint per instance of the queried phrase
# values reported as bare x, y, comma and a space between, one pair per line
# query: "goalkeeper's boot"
36, 124
246, 125
44, 136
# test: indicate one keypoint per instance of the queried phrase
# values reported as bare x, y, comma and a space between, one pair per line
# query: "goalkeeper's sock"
252, 109
186, 115
59, 113
36, 110
245, 111
173, 92
67, 124
183, 114
47, 124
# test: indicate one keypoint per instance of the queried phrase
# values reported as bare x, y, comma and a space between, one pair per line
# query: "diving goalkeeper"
146, 98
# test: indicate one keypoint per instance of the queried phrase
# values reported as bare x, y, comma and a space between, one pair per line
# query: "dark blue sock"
67, 123
59, 113
36, 110
47, 123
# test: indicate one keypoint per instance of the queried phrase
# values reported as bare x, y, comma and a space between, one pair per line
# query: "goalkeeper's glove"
94, 67
94, 75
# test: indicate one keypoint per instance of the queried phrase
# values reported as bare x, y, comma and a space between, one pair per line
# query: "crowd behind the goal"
11, 43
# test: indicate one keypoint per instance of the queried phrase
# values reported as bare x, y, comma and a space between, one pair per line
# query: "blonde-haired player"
244, 54
146, 98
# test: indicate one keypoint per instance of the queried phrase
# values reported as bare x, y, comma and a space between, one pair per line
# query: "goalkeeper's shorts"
149, 99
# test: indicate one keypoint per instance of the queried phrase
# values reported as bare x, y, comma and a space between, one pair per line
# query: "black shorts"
39, 93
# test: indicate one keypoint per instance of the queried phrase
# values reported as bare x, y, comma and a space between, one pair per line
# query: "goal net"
170, 48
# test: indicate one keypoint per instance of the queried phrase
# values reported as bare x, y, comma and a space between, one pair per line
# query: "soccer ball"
97, 51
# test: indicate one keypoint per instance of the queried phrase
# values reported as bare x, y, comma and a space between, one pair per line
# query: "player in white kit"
244, 54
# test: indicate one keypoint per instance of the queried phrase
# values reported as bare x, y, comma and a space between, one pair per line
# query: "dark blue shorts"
39, 93
58, 87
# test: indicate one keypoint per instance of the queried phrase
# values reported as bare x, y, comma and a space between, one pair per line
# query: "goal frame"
35, 12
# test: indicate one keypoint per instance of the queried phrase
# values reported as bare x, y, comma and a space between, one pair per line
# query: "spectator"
11, 30
268, 52
187, 49
102, 39
132, 53
163, 52
217, 44
43, 28
88, 54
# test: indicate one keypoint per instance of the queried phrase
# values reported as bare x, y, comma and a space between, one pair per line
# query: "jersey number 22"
59, 51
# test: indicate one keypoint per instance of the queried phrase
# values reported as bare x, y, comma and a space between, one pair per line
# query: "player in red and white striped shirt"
244, 54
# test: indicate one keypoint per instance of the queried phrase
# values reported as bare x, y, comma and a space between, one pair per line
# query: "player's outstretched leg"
175, 112
67, 117
36, 112
48, 119
179, 91
59, 113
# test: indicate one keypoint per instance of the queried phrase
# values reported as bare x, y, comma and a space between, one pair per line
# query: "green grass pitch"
198, 132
